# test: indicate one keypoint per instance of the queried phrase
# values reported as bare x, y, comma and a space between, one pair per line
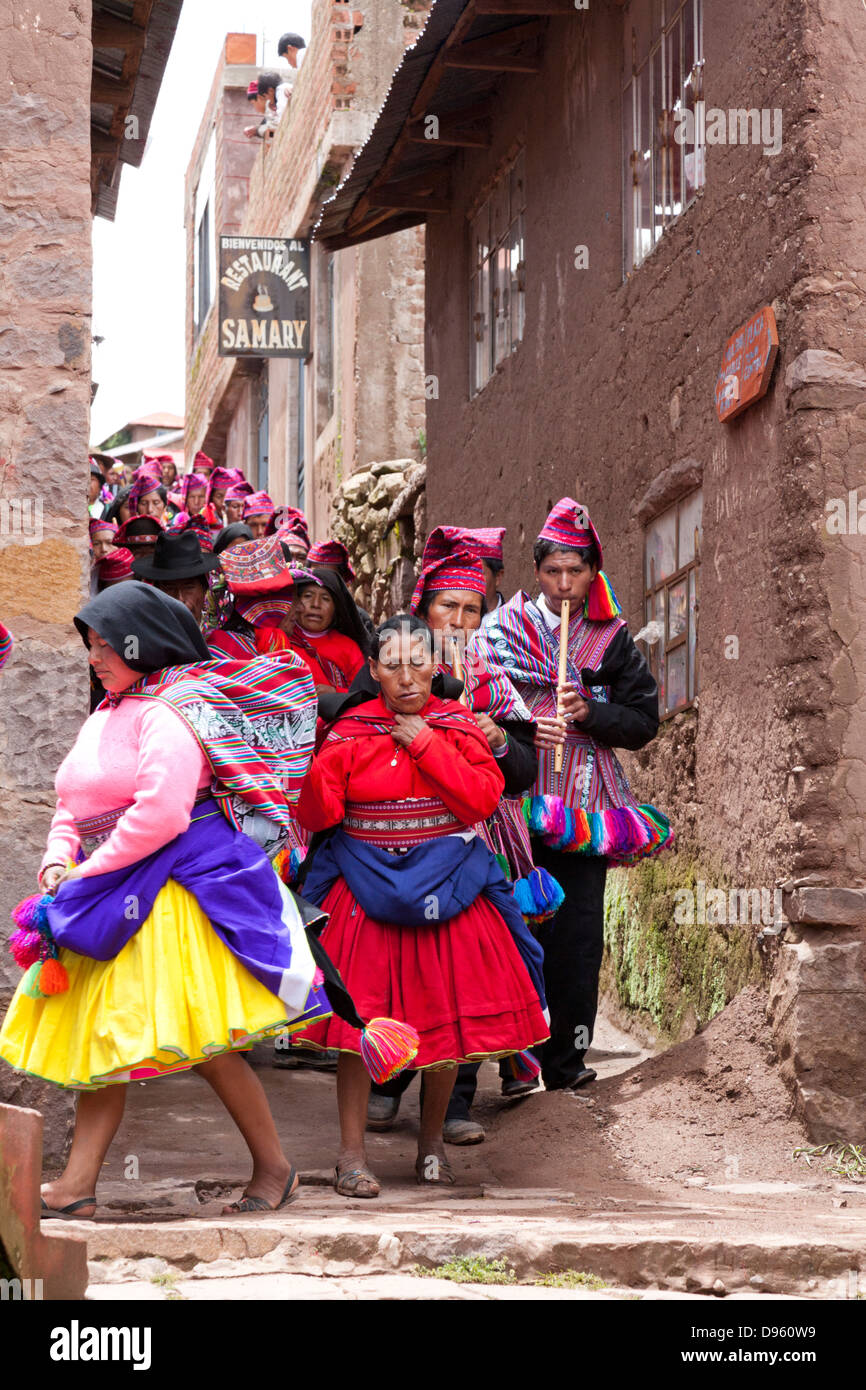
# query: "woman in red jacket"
328, 632
423, 925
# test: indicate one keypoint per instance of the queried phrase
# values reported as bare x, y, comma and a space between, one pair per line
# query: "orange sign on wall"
747, 364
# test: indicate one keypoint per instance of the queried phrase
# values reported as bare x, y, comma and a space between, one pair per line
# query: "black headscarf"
347, 619
236, 531
165, 632
113, 512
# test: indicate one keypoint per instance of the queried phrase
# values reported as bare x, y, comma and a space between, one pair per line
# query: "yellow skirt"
173, 997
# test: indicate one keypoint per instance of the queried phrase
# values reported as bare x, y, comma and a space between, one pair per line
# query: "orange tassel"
53, 978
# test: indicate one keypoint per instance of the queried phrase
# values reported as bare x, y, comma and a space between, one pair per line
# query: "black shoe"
583, 1077
513, 1088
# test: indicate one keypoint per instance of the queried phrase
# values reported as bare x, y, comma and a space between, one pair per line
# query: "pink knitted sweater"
139, 755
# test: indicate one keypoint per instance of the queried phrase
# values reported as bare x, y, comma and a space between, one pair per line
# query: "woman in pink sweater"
179, 942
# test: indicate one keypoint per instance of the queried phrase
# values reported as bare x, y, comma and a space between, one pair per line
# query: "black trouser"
461, 1097
573, 942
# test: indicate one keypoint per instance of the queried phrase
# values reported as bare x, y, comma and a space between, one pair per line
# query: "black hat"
175, 557
289, 41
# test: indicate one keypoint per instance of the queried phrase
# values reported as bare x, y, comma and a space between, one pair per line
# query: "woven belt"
95, 831
400, 824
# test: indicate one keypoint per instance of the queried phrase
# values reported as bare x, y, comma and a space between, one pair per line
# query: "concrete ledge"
60, 1262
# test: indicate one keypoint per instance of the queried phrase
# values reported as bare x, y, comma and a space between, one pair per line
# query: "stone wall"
380, 515
45, 294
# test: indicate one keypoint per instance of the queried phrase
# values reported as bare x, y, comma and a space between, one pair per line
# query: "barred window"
498, 287
662, 119
671, 574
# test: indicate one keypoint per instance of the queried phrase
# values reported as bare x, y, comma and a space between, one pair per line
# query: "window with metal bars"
662, 170
672, 552
498, 269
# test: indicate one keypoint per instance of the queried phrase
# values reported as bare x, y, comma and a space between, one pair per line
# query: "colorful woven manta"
255, 722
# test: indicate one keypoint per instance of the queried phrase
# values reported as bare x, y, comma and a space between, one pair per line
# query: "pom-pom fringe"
622, 834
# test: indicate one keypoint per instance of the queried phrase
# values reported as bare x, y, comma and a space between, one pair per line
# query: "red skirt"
461, 984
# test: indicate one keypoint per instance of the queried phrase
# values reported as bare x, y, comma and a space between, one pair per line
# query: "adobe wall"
45, 329
611, 393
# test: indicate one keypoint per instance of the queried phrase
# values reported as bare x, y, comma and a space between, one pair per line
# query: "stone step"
634, 1250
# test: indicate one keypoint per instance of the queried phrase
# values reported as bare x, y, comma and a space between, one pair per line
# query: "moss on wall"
668, 976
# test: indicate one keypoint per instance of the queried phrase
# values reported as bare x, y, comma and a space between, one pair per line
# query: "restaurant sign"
747, 364
264, 297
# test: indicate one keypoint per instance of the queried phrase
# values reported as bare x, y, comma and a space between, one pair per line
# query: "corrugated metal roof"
405, 86
457, 90
159, 36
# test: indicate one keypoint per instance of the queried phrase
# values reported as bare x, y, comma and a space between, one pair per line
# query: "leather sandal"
433, 1171
252, 1203
346, 1182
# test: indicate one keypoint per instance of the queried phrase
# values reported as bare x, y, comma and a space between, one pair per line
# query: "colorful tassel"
287, 863
538, 896
523, 1066
30, 983
25, 945
35, 950
53, 978
27, 913
601, 603
388, 1046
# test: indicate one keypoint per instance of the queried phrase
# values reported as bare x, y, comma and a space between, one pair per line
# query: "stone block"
817, 1008
833, 907
820, 380
387, 488
378, 470
356, 487
59, 1261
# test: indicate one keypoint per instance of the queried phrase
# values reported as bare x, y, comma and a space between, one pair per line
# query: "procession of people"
385, 846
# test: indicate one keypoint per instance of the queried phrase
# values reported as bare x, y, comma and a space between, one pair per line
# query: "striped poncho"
588, 807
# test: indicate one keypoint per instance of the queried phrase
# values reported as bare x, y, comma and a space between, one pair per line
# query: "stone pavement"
159, 1232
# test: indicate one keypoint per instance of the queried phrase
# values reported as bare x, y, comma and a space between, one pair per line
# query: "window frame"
639, 105
502, 314
204, 241
657, 653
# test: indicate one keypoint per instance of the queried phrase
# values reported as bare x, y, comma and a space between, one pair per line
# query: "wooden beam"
498, 52
103, 144
407, 202
430, 182
452, 130
108, 31
360, 217
105, 91
521, 7
371, 221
